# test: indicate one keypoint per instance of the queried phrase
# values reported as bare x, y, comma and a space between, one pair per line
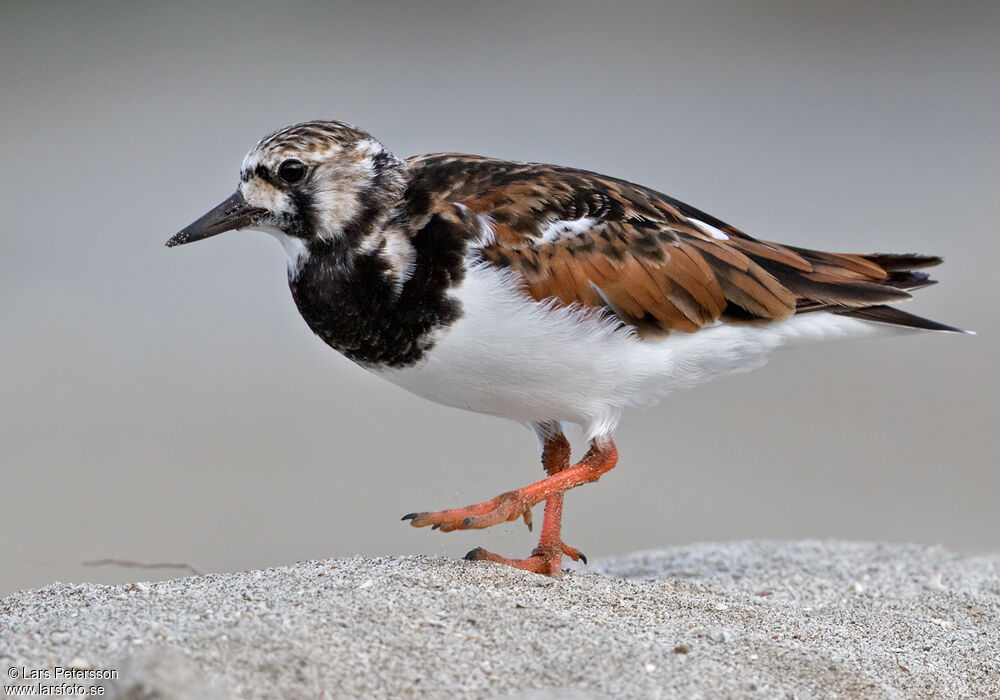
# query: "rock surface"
753, 619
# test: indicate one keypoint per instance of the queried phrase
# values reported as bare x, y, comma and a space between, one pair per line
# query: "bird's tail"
904, 272
890, 278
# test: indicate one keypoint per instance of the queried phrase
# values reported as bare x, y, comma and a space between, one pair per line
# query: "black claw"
529, 527
409, 516
473, 555
435, 526
583, 557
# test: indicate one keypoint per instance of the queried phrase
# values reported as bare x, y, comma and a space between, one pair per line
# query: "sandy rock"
744, 619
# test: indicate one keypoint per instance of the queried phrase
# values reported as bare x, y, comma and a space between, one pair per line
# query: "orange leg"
547, 556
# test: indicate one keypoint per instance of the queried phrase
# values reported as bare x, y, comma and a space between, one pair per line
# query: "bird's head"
315, 183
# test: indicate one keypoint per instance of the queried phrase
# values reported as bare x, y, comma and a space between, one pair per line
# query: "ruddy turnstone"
543, 294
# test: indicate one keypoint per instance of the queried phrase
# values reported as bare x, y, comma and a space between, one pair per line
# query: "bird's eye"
291, 171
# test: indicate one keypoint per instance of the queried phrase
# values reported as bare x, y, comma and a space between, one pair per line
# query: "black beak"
232, 214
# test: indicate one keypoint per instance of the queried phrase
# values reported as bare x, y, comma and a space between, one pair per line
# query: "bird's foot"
545, 559
507, 506
518, 503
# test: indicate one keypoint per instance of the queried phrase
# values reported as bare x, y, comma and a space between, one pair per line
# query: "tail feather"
910, 281
895, 317
904, 261
858, 286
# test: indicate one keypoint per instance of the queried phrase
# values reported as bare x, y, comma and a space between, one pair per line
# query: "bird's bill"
232, 214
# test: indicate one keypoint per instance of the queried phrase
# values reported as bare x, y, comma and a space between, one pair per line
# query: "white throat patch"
296, 250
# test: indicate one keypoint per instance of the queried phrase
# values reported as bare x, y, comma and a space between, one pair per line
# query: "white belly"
511, 356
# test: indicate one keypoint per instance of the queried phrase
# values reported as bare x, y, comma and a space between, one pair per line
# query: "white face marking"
342, 164
337, 186
710, 230
552, 231
335, 203
263, 195
335, 181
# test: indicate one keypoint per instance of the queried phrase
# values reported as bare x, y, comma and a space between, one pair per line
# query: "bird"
548, 295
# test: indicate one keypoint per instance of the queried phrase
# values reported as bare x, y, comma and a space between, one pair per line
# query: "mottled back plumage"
658, 263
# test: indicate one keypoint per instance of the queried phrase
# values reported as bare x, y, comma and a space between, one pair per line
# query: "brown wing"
658, 263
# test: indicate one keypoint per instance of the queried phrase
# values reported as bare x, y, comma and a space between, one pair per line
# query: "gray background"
171, 405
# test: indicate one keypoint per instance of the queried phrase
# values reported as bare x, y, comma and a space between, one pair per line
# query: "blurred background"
172, 406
